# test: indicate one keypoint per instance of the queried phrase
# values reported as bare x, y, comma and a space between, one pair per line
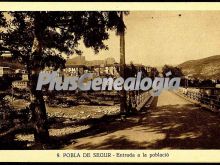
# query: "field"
66, 121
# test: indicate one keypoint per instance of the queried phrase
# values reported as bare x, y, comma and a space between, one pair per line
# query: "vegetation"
38, 40
176, 72
205, 68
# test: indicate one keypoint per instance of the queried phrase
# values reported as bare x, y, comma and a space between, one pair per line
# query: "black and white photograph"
109, 80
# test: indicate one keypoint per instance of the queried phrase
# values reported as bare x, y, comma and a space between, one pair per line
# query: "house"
6, 71
20, 84
25, 77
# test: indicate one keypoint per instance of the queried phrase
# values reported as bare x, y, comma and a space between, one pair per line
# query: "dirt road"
171, 123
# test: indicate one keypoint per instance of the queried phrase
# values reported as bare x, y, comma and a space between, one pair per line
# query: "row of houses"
7, 72
74, 67
108, 67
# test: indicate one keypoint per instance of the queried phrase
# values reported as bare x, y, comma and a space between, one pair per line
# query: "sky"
167, 38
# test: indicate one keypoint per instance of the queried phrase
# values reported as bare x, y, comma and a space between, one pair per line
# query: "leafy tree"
176, 72
38, 40
207, 83
154, 72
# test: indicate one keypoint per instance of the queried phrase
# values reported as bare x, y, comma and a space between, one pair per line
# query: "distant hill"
81, 60
205, 68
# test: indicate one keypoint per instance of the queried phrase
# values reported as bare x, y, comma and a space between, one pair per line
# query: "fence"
206, 96
138, 99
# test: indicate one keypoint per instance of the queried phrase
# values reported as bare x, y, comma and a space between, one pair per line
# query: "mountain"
205, 68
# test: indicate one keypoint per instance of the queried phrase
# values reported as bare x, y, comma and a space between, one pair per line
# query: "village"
75, 105
177, 109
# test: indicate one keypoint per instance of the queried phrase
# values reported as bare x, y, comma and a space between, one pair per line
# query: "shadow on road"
174, 127
180, 126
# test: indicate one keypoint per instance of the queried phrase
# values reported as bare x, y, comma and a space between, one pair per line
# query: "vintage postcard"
109, 82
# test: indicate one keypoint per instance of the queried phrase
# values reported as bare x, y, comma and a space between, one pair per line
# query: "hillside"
206, 68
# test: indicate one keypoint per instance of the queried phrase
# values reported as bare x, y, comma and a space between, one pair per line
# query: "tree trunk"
37, 106
39, 115
38, 110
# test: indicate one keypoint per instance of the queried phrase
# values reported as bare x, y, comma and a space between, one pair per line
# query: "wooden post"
122, 68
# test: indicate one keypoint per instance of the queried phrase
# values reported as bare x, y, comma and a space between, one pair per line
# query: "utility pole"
122, 68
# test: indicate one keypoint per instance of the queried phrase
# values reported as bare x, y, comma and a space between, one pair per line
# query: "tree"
176, 72
153, 72
38, 39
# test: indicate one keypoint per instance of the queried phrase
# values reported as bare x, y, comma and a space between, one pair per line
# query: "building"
110, 61
22, 71
6, 71
79, 60
20, 84
6, 54
25, 77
